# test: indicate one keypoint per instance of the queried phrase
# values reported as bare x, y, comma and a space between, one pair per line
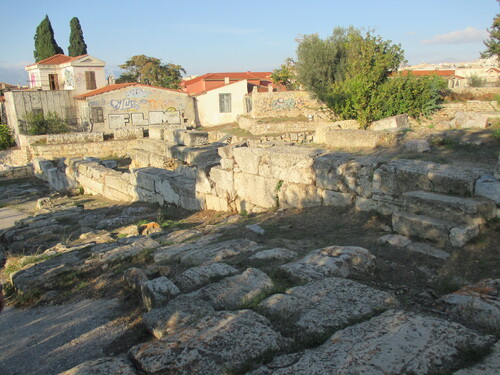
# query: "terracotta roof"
56, 60
119, 86
2, 98
232, 76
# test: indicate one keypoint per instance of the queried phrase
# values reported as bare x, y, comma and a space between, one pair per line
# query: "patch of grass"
15, 264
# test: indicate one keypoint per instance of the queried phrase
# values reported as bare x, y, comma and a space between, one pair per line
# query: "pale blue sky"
216, 36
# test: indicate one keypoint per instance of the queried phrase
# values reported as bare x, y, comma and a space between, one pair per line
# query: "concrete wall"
139, 106
288, 104
208, 104
20, 103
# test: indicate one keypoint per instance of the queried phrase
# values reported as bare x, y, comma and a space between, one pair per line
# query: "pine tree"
45, 44
77, 44
493, 43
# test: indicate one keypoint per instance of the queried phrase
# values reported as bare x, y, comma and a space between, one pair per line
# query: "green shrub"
38, 123
475, 81
6, 138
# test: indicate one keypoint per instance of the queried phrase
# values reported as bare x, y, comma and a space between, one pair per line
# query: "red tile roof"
119, 86
56, 60
232, 76
420, 73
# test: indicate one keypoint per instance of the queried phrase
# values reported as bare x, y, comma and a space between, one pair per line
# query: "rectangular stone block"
298, 196
223, 180
116, 195
336, 199
257, 190
156, 132
215, 203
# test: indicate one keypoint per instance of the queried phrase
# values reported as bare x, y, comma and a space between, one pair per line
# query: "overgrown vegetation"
351, 72
475, 81
37, 124
6, 138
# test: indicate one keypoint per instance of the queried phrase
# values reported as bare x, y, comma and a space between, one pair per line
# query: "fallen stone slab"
103, 366
488, 366
336, 261
488, 187
395, 342
393, 122
417, 145
179, 236
157, 292
124, 248
217, 343
274, 254
403, 243
326, 304
197, 277
478, 303
181, 312
233, 292
203, 253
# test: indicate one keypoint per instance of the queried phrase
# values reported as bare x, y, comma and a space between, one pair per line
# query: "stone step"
446, 207
444, 232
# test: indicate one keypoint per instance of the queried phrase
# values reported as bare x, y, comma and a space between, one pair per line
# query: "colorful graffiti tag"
124, 104
282, 103
137, 92
69, 80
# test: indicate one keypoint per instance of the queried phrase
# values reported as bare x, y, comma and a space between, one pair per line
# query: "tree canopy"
77, 44
45, 43
151, 71
493, 43
286, 75
351, 72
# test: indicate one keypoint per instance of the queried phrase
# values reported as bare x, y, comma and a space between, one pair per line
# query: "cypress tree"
45, 44
77, 44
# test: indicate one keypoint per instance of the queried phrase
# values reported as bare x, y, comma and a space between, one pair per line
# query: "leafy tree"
38, 124
493, 43
77, 44
6, 138
150, 70
286, 75
45, 44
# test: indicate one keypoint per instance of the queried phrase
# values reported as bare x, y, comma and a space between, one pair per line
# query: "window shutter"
90, 80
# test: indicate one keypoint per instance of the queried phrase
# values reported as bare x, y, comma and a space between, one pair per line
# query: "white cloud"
467, 35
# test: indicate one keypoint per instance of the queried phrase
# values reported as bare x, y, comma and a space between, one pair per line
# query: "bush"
38, 124
6, 138
475, 81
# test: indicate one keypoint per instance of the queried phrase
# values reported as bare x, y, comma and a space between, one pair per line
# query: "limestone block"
117, 195
233, 292
224, 181
157, 292
213, 202
328, 170
417, 145
299, 196
40, 167
116, 181
365, 204
327, 304
192, 138
257, 190
387, 204
477, 303
399, 176
191, 203
488, 187
393, 122
338, 261
247, 159
156, 132
181, 312
466, 120
215, 343
459, 236
199, 156
336, 199
197, 277
148, 196
288, 163
446, 207
107, 365
74, 138
203, 183
281, 254
422, 227
350, 138
128, 133
395, 342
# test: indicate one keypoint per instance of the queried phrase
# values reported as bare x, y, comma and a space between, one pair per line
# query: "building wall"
139, 106
78, 78
20, 103
208, 104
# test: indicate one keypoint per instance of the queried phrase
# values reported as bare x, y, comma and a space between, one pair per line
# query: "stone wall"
96, 149
261, 126
13, 158
288, 104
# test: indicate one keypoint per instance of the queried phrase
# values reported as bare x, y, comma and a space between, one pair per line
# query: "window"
90, 80
225, 103
97, 114
53, 82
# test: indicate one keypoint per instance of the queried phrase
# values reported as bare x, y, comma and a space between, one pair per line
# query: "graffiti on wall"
68, 78
124, 104
282, 103
117, 121
138, 119
137, 92
96, 103
164, 117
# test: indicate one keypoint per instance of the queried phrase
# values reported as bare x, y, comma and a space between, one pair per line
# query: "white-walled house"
222, 105
80, 74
